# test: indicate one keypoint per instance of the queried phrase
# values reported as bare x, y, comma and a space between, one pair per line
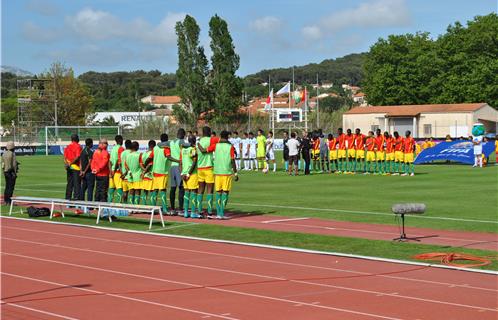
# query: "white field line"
121, 296
204, 287
183, 225
376, 293
306, 266
319, 209
257, 245
284, 220
39, 311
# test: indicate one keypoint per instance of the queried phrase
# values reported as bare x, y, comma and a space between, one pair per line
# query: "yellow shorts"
115, 182
390, 156
360, 154
223, 183
333, 155
399, 156
136, 185
409, 158
125, 185
160, 182
341, 154
351, 153
205, 175
147, 184
380, 155
370, 156
192, 183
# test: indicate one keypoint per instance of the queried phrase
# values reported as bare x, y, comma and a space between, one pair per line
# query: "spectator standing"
100, 168
72, 163
86, 175
10, 167
286, 151
293, 146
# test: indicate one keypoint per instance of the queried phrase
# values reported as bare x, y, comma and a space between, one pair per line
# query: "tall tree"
226, 85
74, 102
192, 73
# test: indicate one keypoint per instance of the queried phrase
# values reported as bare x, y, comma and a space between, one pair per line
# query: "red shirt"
100, 163
408, 144
212, 144
332, 144
398, 144
341, 140
167, 152
350, 141
370, 144
72, 151
316, 144
359, 142
390, 145
379, 142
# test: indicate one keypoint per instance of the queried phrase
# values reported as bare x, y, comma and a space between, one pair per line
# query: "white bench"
62, 203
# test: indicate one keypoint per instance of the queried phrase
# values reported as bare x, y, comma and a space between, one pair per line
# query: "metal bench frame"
61, 203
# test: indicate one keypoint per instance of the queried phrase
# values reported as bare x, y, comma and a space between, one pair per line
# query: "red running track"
54, 271
474, 240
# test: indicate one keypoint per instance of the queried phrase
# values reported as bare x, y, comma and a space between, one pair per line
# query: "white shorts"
270, 155
477, 151
252, 154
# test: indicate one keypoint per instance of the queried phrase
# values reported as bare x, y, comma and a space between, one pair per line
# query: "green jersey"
115, 157
188, 155
133, 163
261, 151
223, 155
205, 160
161, 164
124, 156
145, 156
176, 148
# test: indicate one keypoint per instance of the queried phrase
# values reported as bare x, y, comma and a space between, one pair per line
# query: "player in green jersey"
146, 162
124, 182
224, 168
261, 150
115, 176
134, 173
205, 170
188, 168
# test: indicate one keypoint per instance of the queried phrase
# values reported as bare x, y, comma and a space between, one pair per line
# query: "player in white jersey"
245, 151
270, 153
237, 144
253, 164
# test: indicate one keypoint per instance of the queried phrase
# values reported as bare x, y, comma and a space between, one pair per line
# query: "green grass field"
458, 197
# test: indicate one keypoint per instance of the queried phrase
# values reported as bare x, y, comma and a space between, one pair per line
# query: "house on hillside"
360, 98
166, 102
428, 120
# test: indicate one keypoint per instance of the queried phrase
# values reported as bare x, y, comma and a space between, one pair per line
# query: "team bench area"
103, 208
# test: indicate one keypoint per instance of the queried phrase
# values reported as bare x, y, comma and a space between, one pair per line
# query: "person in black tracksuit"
87, 177
286, 151
305, 152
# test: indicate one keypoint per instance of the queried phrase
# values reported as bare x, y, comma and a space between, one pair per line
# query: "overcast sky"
115, 35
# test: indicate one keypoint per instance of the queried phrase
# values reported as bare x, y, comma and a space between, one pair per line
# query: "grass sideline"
450, 192
364, 247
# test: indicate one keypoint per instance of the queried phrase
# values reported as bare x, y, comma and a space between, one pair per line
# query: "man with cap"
9, 166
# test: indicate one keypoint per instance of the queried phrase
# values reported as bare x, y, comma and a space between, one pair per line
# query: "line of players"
379, 153
195, 166
254, 153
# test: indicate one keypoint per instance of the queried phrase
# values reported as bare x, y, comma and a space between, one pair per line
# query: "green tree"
227, 87
192, 73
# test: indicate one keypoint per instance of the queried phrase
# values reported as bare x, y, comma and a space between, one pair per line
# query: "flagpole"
271, 107
305, 110
317, 104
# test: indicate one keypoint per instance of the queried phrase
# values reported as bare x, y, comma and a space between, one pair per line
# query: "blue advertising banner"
459, 151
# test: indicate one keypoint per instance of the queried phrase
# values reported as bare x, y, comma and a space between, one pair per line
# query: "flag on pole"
297, 96
284, 89
269, 101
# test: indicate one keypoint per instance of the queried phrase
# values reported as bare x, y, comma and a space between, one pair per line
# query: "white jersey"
270, 154
252, 145
235, 141
245, 143
478, 146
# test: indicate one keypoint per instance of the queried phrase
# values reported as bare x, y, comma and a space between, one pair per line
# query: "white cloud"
36, 33
93, 24
311, 32
266, 24
371, 14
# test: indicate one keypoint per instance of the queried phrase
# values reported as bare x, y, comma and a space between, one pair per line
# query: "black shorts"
293, 159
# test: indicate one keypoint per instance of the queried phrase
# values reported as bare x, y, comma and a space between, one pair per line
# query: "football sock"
218, 204
164, 203
193, 203
199, 202
119, 197
186, 199
110, 194
224, 201
209, 199
153, 198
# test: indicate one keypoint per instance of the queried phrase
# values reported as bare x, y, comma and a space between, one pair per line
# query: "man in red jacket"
100, 168
72, 163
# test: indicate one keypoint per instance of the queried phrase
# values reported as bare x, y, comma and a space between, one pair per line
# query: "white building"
162, 101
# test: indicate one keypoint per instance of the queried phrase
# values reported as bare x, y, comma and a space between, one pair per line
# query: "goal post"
54, 135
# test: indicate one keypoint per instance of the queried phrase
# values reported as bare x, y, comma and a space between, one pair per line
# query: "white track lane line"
38, 311
256, 275
446, 284
284, 220
120, 296
318, 209
204, 287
